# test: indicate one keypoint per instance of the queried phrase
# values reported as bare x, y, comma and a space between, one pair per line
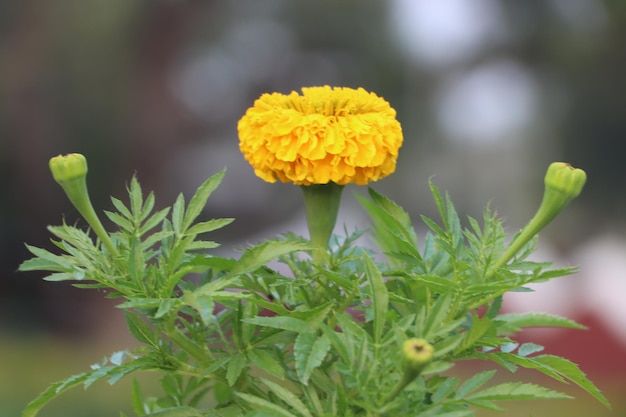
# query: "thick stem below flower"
321, 202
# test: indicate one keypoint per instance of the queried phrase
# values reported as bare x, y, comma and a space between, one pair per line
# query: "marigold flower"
326, 134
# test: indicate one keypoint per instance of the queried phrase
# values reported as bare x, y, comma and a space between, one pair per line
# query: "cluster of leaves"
236, 337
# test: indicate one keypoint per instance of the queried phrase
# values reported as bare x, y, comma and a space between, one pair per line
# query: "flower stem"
563, 183
321, 202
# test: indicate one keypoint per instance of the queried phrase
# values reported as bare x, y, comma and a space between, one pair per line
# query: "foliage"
239, 337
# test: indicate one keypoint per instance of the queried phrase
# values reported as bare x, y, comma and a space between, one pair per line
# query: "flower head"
416, 354
326, 134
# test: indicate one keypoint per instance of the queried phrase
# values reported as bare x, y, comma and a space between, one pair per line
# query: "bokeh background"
489, 92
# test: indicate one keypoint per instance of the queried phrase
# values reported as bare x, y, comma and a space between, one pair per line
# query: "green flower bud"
70, 171
68, 167
564, 178
563, 183
416, 354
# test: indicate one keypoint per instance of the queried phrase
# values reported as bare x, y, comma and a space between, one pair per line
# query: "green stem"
76, 191
321, 202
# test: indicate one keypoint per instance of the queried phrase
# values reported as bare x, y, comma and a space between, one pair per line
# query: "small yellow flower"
326, 134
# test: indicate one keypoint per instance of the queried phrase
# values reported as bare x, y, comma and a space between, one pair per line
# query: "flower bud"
566, 179
70, 171
563, 183
68, 167
416, 354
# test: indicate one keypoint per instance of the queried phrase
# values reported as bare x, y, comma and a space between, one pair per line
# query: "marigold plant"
339, 330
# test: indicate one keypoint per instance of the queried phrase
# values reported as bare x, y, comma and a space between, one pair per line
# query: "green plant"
345, 332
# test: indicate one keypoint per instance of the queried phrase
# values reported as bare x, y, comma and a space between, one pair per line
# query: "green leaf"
516, 391
137, 399
480, 326
154, 220
380, 296
136, 198
199, 199
33, 408
202, 303
178, 212
288, 397
140, 329
121, 208
437, 316
121, 221
528, 349
266, 361
260, 255
283, 323
309, 352
394, 232
571, 371
474, 383
208, 226
445, 389
260, 403
516, 321
235, 367
338, 340
182, 411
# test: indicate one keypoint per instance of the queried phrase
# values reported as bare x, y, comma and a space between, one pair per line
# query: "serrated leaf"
182, 411
178, 212
516, 391
282, 323
136, 198
154, 220
528, 349
263, 404
33, 408
437, 315
265, 252
288, 397
120, 220
53, 259
517, 321
200, 197
140, 329
309, 352
480, 327
338, 341
474, 383
571, 371
121, 208
166, 306
266, 361
235, 367
137, 399
380, 296
208, 226
445, 389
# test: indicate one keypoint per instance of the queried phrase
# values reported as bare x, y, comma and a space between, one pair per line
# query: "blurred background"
489, 92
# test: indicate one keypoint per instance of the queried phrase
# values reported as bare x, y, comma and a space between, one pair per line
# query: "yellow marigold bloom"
326, 134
